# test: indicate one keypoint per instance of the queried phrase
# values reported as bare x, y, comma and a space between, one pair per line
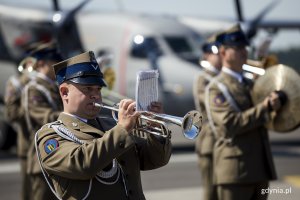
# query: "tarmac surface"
186, 179
180, 178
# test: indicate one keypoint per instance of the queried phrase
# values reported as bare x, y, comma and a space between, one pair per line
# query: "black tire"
8, 136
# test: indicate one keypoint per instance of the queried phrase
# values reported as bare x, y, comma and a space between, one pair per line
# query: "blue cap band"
234, 39
47, 54
87, 73
208, 47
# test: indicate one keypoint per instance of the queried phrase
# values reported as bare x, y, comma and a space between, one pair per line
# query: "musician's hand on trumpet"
156, 107
154, 123
127, 115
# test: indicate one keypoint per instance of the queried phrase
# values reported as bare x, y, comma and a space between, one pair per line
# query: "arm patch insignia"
50, 145
219, 99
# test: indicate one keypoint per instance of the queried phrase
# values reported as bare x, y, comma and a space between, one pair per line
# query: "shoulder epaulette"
49, 125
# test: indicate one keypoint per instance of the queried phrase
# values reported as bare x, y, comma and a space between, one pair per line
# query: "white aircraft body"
128, 38
135, 41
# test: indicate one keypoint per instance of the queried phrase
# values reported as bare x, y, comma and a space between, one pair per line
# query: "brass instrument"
190, 124
286, 79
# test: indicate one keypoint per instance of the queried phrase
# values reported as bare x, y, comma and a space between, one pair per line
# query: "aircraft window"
179, 44
145, 47
184, 49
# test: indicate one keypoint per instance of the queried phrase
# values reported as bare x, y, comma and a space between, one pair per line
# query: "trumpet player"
80, 156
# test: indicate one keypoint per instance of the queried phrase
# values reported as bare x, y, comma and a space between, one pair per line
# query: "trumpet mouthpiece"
97, 105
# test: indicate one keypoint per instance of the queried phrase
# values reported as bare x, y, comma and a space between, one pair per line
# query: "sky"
221, 9
217, 9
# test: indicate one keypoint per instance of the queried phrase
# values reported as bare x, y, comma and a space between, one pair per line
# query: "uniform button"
122, 144
130, 192
126, 176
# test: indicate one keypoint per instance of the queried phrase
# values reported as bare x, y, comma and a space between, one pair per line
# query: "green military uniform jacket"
242, 152
71, 166
42, 104
14, 113
205, 140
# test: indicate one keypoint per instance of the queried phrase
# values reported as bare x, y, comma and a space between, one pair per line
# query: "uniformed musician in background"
211, 65
81, 156
14, 115
243, 163
41, 104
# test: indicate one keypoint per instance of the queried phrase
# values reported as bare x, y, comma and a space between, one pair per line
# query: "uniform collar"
86, 130
80, 118
233, 74
209, 67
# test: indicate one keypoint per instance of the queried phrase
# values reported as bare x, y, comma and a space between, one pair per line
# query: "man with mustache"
84, 158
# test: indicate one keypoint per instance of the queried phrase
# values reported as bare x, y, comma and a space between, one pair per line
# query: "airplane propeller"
69, 16
251, 27
239, 11
65, 26
56, 5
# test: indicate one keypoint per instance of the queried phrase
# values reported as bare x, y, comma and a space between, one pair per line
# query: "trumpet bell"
191, 124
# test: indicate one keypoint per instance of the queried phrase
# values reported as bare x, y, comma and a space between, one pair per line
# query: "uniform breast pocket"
243, 99
227, 163
231, 152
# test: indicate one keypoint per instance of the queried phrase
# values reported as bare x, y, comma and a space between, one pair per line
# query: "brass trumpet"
190, 124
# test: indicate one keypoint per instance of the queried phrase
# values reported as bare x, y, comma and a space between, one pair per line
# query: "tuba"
159, 124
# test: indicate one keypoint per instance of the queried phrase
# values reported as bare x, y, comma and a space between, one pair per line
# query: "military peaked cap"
82, 69
233, 37
211, 45
46, 51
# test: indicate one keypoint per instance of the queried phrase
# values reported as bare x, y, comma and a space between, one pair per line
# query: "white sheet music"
146, 89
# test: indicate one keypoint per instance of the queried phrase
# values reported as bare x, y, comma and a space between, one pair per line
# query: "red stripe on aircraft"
124, 59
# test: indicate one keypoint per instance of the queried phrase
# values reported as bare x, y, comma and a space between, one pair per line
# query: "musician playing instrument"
243, 163
82, 157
